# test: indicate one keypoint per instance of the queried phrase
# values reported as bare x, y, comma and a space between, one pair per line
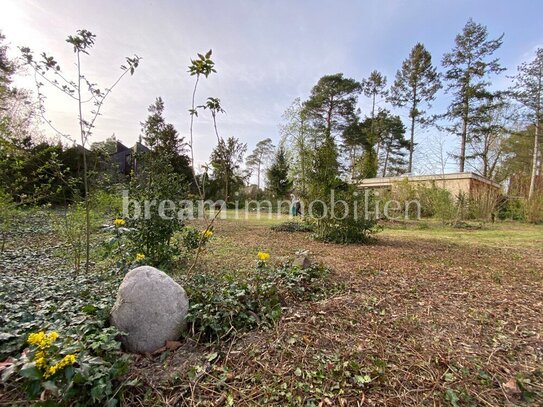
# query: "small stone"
302, 261
151, 309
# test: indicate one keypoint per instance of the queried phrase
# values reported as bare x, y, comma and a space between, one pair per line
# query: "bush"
221, 306
292, 226
341, 224
344, 231
219, 309
76, 306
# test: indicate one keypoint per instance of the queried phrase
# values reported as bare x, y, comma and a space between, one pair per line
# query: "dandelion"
140, 257
263, 256
119, 222
207, 233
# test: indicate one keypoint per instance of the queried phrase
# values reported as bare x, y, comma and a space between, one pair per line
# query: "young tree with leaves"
258, 158
468, 66
157, 180
415, 85
226, 159
279, 183
528, 90
81, 90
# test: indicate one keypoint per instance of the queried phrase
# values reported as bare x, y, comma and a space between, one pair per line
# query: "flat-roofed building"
460, 183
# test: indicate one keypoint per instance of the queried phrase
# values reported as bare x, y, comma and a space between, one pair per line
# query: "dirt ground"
424, 319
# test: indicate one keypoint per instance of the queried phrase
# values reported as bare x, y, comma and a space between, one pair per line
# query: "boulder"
151, 308
302, 261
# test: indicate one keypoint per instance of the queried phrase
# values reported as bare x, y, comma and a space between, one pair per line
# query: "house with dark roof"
126, 158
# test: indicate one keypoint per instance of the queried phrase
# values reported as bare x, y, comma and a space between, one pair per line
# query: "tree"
528, 90
382, 139
48, 69
7, 69
468, 66
392, 138
164, 141
488, 144
157, 180
226, 158
374, 87
416, 83
332, 103
295, 128
278, 173
259, 156
331, 107
354, 142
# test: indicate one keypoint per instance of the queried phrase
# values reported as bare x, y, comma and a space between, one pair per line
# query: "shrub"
219, 308
221, 305
80, 369
292, 226
76, 306
343, 224
347, 230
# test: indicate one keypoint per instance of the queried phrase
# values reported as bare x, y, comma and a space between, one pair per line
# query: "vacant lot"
424, 316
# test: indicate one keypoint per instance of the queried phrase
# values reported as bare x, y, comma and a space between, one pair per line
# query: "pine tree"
279, 183
416, 83
468, 66
330, 109
528, 90
259, 156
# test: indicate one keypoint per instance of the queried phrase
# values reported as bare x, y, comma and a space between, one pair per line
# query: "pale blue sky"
267, 53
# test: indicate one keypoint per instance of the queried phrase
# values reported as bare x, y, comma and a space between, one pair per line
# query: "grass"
502, 234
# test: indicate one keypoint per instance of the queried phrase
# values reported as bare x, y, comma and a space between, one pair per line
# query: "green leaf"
212, 356
30, 371
452, 397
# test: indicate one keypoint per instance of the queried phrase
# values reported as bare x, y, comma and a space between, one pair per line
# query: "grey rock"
302, 261
151, 308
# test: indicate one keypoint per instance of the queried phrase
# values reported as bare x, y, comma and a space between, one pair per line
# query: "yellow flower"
41, 340
119, 222
207, 233
36, 338
263, 256
140, 257
66, 361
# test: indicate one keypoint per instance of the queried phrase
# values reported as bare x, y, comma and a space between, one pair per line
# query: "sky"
267, 53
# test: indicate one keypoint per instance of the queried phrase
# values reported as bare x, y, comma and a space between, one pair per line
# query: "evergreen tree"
394, 144
416, 83
468, 66
279, 183
528, 90
330, 108
259, 156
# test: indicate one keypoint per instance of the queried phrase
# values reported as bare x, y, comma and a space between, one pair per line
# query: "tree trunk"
411, 146
387, 152
535, 157
536, 137
464, 136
